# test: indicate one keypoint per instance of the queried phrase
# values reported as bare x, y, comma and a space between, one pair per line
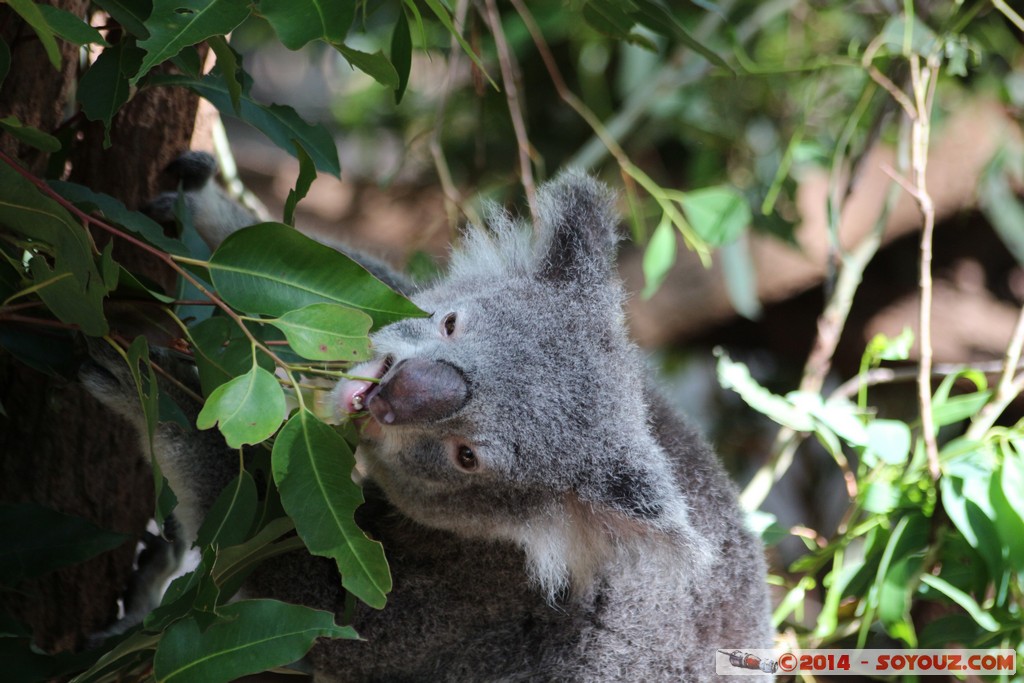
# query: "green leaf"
29, 135
131, 14
880, 497
888, 442
33, 16
38, 540
611, 18
230, 69
272, 269
718, 214
73, 287
70, 27
327, 332
659, 19
116, 212
1002, 208
882, 347
740, 273
313, 471
659, 256
249, 637
376, 65
401, 53
174, 26
105, 88
297, 22
221, 352
980, 616
959, 408
307, 174
231, 515
279, 123
249, 408
736, 376
441, 12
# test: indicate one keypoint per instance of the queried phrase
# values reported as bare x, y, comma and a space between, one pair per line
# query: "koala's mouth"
352, 395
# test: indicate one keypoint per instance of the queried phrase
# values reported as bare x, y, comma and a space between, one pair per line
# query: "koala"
547, 516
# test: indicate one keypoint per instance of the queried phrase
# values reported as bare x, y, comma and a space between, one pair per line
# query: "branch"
452, 196
164, 257
1007, 389
923, 82
515, 106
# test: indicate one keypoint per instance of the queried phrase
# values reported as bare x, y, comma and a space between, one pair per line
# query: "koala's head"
516, 410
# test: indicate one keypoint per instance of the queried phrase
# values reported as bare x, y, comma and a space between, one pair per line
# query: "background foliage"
731, 100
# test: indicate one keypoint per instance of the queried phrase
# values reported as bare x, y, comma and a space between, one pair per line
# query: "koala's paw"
160, 558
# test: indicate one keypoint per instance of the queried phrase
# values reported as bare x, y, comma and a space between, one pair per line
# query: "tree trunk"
58, 447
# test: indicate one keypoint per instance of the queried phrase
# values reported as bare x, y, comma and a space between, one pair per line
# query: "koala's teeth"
357, 402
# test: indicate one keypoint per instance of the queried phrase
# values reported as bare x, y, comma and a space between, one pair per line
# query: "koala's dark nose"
418, 391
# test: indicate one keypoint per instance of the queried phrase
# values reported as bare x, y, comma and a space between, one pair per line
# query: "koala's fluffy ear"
577, 229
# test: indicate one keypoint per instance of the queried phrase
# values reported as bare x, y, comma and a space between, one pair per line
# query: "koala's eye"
465, 458
448, 325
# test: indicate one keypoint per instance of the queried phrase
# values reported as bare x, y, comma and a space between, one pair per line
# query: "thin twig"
830, 328
506, 60
1007, 389
876, 376
164, 257
923, 83
452, 197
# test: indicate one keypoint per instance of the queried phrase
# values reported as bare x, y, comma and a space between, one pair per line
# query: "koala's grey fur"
597, 538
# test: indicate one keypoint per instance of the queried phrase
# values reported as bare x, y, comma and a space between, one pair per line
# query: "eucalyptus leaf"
105, 88
297, 22
29, 135
38, 540
174, 26
116, 212
313, 471
718, 214
659, 255
307, 174
888, 442
327, 332
248, 408
401, 54
272, 269
249, 636
231, 515
376, 65
980, 616
736, 376
279, 123
70, 27
33, 16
